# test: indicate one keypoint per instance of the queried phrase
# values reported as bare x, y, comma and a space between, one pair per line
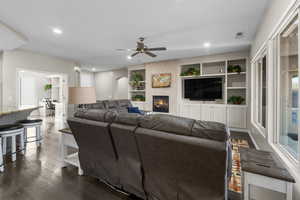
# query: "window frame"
257, 93
277, 60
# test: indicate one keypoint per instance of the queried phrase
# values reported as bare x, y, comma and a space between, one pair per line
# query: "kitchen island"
12, 114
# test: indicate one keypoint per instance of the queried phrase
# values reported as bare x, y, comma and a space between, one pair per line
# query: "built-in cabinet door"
195, 111
206, 114
213, 113
237, 117
218, 114
233, 116
185, 110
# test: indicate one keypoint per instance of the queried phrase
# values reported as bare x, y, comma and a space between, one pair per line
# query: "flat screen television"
204, 89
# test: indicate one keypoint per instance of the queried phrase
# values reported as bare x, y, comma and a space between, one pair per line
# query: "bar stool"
33, 123
12, 131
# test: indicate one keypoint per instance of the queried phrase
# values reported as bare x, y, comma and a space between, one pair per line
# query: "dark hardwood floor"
38, 176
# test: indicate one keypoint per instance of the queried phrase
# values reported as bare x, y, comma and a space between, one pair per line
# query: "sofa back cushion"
111, 104
182, 167
132, 119
210, 130
168, 123
124, 103
96, 115
97, 154
98, 105
129, 162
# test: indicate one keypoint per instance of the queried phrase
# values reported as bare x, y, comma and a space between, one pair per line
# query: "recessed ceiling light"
93, 69
57, 31
206, 44
129, 57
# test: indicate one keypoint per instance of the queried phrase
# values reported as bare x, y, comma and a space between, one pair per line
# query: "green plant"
136, 78
236, 100
48, 87
191, 72
138, 97
234, 68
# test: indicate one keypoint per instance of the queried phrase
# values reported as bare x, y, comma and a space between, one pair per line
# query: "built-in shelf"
236, 88
137, 90
235, 73
204, 75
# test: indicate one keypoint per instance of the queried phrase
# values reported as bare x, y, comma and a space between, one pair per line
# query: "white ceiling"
93, 29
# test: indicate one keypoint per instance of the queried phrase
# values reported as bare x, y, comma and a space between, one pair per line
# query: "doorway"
43, 89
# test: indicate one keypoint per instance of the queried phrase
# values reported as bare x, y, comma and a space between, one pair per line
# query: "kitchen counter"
12, 114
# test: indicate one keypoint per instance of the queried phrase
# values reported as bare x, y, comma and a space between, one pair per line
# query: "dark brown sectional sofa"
155, 157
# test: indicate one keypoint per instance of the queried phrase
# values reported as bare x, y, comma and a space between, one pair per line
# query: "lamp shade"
82, 95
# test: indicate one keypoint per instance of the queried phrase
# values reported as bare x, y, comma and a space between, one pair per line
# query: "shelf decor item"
161, 80
136, 81
48, 87
191, 72
234, 69
138, 97
237, 100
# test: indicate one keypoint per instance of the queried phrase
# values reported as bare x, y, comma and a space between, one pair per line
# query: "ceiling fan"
142, 48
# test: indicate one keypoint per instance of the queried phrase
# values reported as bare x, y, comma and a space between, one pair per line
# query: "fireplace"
161, 104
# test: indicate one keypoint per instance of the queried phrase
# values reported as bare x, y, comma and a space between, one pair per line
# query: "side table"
263, 169
67, 141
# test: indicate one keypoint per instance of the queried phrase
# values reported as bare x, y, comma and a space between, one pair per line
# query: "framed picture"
161, 80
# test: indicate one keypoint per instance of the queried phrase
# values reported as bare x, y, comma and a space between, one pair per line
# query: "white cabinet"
219, 114
185, 110
237, 116
233, 116
205, 113
215, 113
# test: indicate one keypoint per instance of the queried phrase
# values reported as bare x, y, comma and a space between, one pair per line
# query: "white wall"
272, 18
27, 60
32, 88
1, 63
87, 79
107, 84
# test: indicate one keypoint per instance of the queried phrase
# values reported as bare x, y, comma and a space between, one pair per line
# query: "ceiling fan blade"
157, 49
134, 54
150, 54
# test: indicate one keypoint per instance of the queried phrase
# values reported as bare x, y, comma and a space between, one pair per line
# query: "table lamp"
82, 95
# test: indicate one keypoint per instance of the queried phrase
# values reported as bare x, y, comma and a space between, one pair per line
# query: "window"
260, 95
288, 85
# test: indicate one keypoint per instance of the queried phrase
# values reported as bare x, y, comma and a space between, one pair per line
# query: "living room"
191, 104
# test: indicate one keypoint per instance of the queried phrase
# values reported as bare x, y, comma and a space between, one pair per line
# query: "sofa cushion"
111, 104
128, 119
168, 123
96, 115
124, 103
210, 130
98, 105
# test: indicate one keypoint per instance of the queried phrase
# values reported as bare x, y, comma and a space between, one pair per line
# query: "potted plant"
238, 100
234, 69
136, 78
191, 72
138, 97
48, 87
